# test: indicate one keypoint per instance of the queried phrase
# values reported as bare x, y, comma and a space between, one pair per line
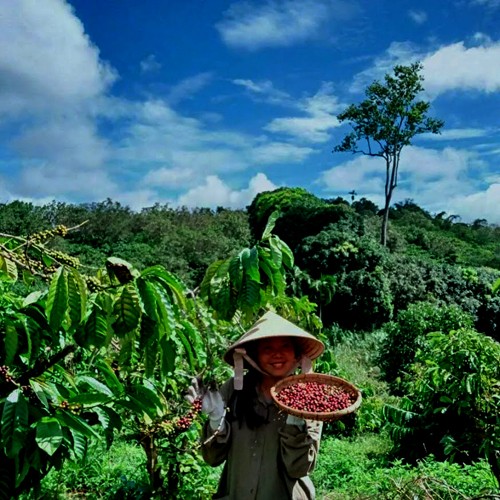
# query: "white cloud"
264, 90
279, 23
435, 179
319, 120
214, 193
53, 86
47, 49
457, 67
169, 178
482, 204
450, 67
186, 88
397, 53
418, 16
44, 180
453, 134
279, 152
149, 64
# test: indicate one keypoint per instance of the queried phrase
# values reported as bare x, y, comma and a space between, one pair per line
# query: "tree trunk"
385, 222
154, 471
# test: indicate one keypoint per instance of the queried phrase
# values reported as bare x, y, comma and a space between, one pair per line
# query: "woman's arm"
216, 443
299, 447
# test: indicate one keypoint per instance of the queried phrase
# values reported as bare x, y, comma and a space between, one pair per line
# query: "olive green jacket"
271, 462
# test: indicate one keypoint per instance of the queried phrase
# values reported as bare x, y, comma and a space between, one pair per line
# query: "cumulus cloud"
482, 204
279, 23
317, 120
458, 66
435, 179
52, 83
214, 193
42, 70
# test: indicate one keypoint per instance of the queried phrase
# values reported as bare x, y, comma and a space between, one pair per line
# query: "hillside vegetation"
414, 324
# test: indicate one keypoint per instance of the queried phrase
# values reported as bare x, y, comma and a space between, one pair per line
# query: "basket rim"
325, 378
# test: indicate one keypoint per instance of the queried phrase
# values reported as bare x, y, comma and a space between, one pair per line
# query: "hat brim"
273, 325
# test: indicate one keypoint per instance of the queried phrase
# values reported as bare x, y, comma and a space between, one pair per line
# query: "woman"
267, 454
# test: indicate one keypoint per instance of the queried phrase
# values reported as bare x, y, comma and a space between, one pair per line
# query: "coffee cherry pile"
315, 397
183, 423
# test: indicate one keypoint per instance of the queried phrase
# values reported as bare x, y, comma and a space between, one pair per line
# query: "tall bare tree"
387, 121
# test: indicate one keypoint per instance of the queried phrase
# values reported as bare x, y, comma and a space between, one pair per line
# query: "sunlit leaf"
77, 294
127, 310
14, 423
57, 299
49, 435
11, 342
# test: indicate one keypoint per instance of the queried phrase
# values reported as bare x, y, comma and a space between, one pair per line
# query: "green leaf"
287, 254
271, 222
11, 342
87, 399
276, 254
77, 295
95, 384
80, 444
148, 297
49, 435
180, 334
250, 263
170, 281
57, 299
168, 355
108, 418
95, 329
76, 423
210, 273
8, 267
147, 396
127, 310
14, 423
150, 355
39, 393
32, 298
112, 381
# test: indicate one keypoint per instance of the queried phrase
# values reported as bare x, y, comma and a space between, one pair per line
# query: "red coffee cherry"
315, 397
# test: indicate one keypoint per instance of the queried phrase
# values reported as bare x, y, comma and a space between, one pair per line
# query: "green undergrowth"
357, 469
354, 461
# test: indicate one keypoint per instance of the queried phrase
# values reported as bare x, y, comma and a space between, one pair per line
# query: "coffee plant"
88, 354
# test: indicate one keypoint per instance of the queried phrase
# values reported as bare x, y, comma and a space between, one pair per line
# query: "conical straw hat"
273, 325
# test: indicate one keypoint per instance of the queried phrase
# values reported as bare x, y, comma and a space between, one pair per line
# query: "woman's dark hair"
242, 403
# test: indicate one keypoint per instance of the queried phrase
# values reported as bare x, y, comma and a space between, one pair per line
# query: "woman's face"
276, 356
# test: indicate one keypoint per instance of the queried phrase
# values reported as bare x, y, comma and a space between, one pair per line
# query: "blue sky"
209, 102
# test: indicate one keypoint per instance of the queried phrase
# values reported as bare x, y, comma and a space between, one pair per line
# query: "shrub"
359, 470
407, 334
453, 400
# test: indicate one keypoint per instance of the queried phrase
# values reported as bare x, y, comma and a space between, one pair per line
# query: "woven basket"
322, 379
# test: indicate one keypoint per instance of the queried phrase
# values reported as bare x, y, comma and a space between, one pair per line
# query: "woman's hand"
212, 403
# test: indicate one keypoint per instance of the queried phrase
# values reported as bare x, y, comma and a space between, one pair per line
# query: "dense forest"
410, 314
